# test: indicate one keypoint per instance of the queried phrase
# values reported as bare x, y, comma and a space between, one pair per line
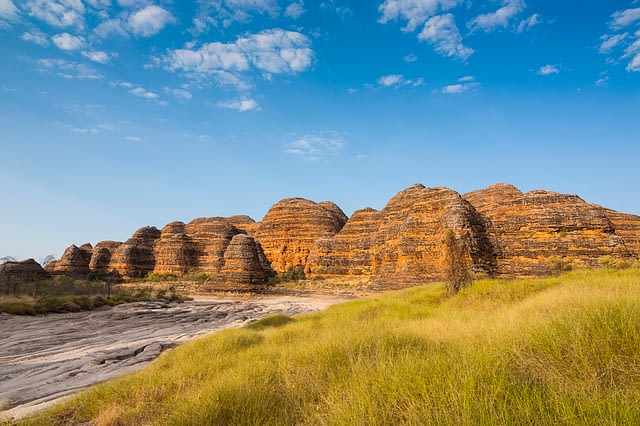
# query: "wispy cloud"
178, 93
464, 84
8, 10
69, 69
530, 22
66, 41
501, 18
624, 18
99, 56
240, 105
226, 12
316, 147
137, 90
398, 80
58, 13
611, 41
415, 12
133, 138
410, 58
294, 10
443, 34
36, 37
548, 70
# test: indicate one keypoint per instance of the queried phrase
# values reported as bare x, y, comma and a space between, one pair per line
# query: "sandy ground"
46, 358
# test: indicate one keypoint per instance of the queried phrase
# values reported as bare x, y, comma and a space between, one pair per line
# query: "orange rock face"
403, 243
627, 226
244, 262
528, 230
135, 258
292, 226
73, 263
101, 257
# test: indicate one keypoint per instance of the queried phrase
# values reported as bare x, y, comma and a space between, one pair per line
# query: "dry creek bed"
46, 358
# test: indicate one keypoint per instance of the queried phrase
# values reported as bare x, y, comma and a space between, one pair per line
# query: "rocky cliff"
531, 232
403, 242
26, 270
506, 233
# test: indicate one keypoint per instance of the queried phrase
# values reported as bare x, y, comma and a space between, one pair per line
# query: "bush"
155, 276
293, 274
456, 265
558, 265
195, 274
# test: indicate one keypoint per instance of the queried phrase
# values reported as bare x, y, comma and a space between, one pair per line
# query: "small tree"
456, 266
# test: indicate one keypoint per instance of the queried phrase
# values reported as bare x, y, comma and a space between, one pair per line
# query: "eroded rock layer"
244, 262
136, 258
403, 243
26, 270
532, 231
627, 226
101, 257
291, 227
73, 263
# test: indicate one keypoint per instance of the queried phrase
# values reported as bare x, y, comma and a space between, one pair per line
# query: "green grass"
561, 351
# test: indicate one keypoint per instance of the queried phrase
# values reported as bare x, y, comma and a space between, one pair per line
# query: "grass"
562, 350
27, 305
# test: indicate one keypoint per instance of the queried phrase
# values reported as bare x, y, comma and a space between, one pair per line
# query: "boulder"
174, 251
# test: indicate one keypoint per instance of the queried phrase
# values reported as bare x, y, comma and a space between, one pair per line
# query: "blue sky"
115, 114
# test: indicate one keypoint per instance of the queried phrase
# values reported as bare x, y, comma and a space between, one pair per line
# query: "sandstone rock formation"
73, 263
135, 257
101, 257
528, 230
403, 242
506, 233
244, 262
26, 270
291, 227
627, 226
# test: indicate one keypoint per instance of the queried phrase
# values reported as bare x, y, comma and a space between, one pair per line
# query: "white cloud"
111, 27
66, 41
178, 93
633, 48
36, 37
226, 12
68, 69
150, 20
133, 139
611, 41
415, 12
464, 84
602, 81
294, 10
500, 18
136, 90
410, 58
398, 80
624, 18
548, 70
530, 22
273, 51
8, 10
59, 13
315, 147
99, 56
441, 32
240, 105
634, 65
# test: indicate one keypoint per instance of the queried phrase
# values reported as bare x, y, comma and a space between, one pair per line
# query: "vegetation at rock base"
456, 266
561, 350
63, 294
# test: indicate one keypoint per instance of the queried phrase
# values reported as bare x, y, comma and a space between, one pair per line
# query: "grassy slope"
555, 351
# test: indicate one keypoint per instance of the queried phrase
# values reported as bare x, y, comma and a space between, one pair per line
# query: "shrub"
456, 265
558, 265
195, 274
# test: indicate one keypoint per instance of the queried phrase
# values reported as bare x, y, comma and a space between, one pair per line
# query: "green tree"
456, 266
